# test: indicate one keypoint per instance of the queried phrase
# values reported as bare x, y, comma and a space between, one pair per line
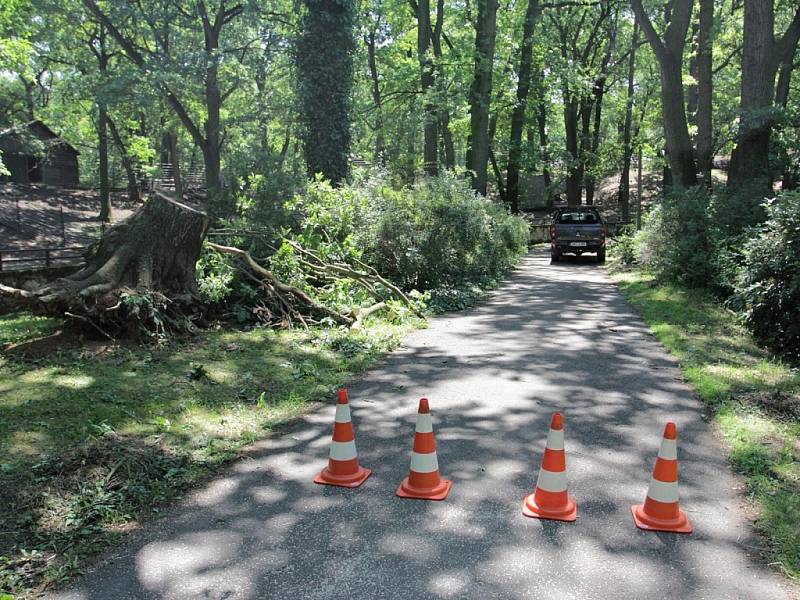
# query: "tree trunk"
171, 144
669, 54
213, 144
102, 131
586, 119
574, 175
152, 252
380, 144
598, 93
541, 124
624, 194
501, 188
430, 149
761, 55
130, 172
705, 90
102, 151
444, 113
750, 158
639, 188
518, 114
324, 56
480, 94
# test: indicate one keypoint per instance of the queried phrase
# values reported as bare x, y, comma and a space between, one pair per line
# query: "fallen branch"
269, 278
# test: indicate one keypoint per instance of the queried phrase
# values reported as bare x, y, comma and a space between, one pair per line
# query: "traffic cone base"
349, 480
568, 512
438, 492
679, 524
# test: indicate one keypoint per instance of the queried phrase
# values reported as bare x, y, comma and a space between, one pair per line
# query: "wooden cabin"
33, 153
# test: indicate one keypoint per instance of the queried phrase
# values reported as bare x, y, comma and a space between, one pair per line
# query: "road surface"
554, 337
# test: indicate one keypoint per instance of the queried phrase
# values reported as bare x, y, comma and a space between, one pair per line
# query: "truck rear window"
580, 218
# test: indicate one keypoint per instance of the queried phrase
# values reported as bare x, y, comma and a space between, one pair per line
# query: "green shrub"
439, 233
768, 287
676, 241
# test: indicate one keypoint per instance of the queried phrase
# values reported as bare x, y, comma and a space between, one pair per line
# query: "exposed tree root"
139, 277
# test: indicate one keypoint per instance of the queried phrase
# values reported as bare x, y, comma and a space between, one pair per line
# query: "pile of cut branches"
283, 305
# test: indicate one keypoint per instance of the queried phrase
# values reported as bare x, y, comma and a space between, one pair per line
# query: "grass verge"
755, 399
93, 437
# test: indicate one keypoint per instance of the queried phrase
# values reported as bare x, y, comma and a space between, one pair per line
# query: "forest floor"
552, 337
31, 215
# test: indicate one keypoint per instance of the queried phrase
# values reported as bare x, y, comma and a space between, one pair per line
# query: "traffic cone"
660, 511
343, 468
424, 481
550, 499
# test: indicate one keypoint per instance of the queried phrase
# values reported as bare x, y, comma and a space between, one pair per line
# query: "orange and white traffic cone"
343, 468
424, 481
550, 499
661, 511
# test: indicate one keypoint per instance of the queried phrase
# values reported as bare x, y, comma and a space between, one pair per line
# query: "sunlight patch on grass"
86, 444
24, 326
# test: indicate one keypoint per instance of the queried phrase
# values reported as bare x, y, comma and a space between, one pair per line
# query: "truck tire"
555, 257
601, 256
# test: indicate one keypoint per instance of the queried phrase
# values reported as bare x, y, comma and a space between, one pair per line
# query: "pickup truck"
576, 230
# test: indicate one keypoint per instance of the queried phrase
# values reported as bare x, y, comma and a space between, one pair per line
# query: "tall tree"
624, 194
669, 54
705, 90
325, 80
211, 24
480, 94
761, 56
427, 79
518, 114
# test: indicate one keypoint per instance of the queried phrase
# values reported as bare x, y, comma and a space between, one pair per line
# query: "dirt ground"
39, 216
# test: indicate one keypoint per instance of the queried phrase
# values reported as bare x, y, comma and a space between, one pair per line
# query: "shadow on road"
554, 337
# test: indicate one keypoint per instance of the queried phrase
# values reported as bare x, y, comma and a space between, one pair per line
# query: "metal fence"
31, 259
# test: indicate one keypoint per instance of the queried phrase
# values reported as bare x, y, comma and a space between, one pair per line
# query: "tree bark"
102, 151
624, 194
430, 148
705, 91
518, 114
669, 54
130, 172
444, 113
541, 125
639, 188
574, 173
761, 55
380, 144
480, 94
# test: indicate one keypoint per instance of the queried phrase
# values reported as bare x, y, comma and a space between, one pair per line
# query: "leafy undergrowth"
92, 439
755, 398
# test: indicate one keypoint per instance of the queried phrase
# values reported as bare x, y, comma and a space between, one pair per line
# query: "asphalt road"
554, 337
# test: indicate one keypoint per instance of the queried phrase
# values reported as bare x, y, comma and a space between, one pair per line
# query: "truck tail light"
552, 232
603, 234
